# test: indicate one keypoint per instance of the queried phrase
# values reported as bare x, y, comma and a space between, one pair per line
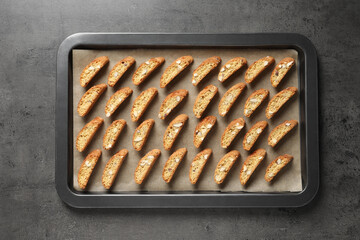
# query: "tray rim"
187, 200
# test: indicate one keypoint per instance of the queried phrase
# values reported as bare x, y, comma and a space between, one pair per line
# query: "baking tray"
308, 124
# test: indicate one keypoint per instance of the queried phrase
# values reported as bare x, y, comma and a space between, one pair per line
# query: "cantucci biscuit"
279, 100
224, 166
145, 164
116, 100
275, 166
280, 131
89, 99
203, 100
258, 67
141, 103
171, 101
119, 69
204, 69
92, 69
231, 131
281, 70
254, 101
112, 168
253, 134
251, 164
142, 133
87, 133
173, 130
231, 67
202, 129
112, 133
230, 97
174, 69
198, 165
87, 168
146, 68
172, 164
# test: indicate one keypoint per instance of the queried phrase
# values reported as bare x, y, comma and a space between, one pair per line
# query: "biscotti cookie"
280, 131
203, 100
89, 99
231, 131
281, 70
146, 68
231, 67
254, 101
87, 167
253, 134
258, 67
142, 133
229, 98
171, 101
119, 69
279, 100
251, 164
173, 130
198, 165
87, 133
204, 69
116, 100
112, 133
174, 69
202, 129
92, 69
112, 168
275, 166
142, 102
145, 164
224, 166
172, 164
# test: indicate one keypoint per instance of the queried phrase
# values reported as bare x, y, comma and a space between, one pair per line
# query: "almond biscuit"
281, 70
275, 166
92, 69
171, 101
87, 133
280, 131
231, 131
258, 67
229, 98
116, 100
112, 133
174, 69
141, 103
202, 129
231, 67
253, 134
146, 68
172, 164
87, 167
251, 164
119, 69
198, 165
224, 166
173, 130
279, 100
142, 133
203, 100
204, 69
112, 168
254, 101
89, 99
145, 164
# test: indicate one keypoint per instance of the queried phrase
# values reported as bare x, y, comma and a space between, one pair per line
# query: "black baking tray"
308, 89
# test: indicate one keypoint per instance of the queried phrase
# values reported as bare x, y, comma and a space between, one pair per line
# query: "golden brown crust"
89, 99
89, 72
204, 69
171, 101
230, 67
229, 98
281, 70
253, 134
112, 133
172, 164
231, 131
254, 101
119, 69
146, 68
173, 130
203, 100
116, 100
87, 133
258, 67
145, 164
198, 165
202, 129
276, 165
279, 100
224, 166
142, 102
87, 168
251, 164
280, 131
112, 168
174, 69
142, 133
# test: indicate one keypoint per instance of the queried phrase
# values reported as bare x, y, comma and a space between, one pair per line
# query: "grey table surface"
30, 34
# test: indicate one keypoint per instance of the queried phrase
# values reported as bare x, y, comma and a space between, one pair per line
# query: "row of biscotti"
146, 68
146, 163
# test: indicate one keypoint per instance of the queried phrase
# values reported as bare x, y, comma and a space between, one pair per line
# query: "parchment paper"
287, 180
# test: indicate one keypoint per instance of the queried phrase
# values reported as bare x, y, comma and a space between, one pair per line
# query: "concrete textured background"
30, 34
